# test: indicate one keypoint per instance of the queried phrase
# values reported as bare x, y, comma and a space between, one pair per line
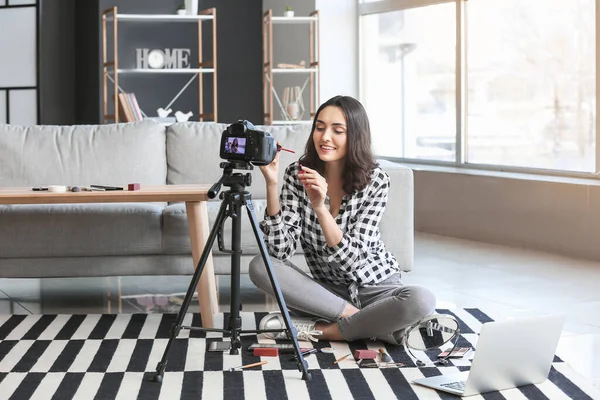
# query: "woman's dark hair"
359, 156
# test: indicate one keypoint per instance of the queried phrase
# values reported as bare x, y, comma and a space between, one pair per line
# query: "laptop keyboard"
460, 385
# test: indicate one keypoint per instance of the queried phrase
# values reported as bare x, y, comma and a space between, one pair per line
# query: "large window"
18, 62
497, 82
409, 79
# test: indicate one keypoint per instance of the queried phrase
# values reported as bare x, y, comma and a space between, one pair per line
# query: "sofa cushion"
193, 152
397, 224
115, 154
80, 230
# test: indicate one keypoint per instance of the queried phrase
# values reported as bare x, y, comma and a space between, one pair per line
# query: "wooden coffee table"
194, 196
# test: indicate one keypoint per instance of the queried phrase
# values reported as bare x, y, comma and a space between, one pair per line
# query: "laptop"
509, 354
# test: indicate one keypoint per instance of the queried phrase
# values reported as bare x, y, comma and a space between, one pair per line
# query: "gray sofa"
119, 239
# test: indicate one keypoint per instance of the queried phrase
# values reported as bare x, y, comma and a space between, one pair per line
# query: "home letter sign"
158, 58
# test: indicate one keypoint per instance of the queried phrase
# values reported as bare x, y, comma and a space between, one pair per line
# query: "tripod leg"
160, 368
302, 364
235, 321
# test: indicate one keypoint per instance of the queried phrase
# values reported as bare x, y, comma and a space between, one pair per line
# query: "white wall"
339, 47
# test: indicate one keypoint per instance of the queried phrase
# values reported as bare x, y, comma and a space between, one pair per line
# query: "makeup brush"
342, 358
248, 366
385, 357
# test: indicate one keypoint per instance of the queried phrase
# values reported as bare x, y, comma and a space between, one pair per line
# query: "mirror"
431, 332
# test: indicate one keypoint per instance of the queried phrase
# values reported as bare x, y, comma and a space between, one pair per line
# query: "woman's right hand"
271, 171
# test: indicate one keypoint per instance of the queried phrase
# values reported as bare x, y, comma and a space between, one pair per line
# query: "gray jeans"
386, 309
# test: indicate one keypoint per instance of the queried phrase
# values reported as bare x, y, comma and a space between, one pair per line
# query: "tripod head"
237, 182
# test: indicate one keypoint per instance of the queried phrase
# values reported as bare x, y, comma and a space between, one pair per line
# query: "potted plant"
288, 12
181, 10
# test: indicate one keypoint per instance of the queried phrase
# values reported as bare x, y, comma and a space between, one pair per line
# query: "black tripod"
231, 206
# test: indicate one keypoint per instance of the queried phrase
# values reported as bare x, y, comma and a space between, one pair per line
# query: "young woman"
332, 200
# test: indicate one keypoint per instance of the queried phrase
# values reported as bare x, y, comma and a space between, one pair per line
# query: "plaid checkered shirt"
359, 259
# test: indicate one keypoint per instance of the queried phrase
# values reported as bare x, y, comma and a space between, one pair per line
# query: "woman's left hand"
315, 186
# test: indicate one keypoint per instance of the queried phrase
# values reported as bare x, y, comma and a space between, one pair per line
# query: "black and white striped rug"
115, 356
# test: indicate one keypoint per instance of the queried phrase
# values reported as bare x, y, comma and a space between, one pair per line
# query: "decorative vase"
191, 6
289, 13
293, 111
293, 103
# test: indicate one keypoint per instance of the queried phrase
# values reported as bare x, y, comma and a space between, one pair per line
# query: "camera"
241, 141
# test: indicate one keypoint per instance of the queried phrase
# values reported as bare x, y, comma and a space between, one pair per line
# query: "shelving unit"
269, 70
111, 70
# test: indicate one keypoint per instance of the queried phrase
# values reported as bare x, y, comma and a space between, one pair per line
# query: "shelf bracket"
181, 91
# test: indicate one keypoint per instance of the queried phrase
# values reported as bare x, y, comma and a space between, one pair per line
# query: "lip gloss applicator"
279, 148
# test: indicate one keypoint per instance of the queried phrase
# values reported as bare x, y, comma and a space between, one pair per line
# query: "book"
123, 117
130, 106
125, 111
136, 107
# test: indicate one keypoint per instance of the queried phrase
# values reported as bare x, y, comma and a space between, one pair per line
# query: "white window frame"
461, 84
